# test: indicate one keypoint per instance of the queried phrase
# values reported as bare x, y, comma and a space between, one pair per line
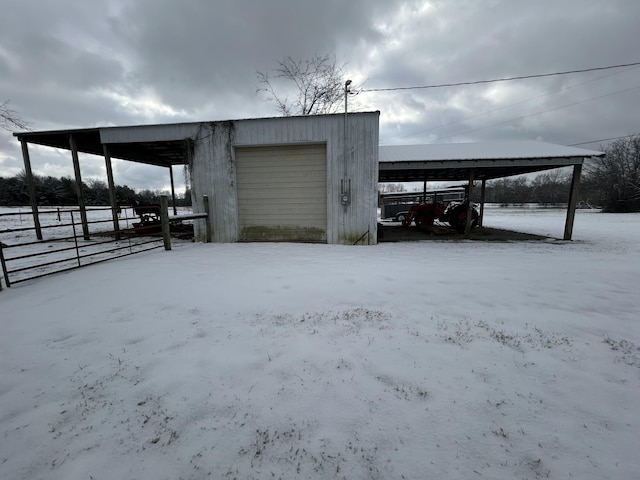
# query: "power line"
523, 77
603, 140
438, 127
542, 112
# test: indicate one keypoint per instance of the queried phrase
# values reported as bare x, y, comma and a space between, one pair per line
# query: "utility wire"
438, 127
603, 140
542, 112
523, 77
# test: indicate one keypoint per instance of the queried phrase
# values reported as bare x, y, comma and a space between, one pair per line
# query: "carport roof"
168, 144
161, 145
488, 160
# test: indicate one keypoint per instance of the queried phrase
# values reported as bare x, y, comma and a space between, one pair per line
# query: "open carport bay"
526, 222
481, 162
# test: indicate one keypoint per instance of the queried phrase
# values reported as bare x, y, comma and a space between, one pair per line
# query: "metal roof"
161, 145
454, 161
168, 144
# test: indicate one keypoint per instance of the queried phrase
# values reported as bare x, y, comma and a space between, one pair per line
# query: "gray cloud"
72, 63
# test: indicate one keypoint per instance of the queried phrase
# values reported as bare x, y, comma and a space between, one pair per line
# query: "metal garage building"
309, 178
289, 179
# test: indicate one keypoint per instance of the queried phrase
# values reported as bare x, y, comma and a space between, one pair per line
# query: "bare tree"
551, 187
617, 175
391, 188
319, 83
10, 119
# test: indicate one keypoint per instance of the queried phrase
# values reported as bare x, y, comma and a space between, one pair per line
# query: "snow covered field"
253, 361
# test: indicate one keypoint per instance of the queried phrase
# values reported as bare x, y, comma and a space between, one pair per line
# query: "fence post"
205, 201
164, 217
4, 269
75, 237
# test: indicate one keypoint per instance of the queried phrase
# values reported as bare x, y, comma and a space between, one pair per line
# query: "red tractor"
424, 214
453, 213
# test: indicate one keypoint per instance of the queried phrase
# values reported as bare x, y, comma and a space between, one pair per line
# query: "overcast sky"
78, 63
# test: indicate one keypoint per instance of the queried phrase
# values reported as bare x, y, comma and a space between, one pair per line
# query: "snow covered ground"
420, 360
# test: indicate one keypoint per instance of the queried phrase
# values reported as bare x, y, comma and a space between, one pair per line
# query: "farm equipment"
453, 213
456, 215
151, 222
424, 214
149, 213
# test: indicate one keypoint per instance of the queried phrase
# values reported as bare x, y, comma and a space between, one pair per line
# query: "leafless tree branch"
319, 84
10, 119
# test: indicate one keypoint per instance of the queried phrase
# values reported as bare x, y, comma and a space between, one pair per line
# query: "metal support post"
32, 189
573, 200
483, 190
467, 226
173, 191
164, 217
112, 191
76, 169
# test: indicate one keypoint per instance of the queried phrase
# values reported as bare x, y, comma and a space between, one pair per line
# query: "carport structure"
158, 145
481, 162
309, 178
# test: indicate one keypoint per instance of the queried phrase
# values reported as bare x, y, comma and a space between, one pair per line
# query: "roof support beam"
483, 190
76, 169
573, 200
424, 191
112, 191
32, 189
173, 191
467, 226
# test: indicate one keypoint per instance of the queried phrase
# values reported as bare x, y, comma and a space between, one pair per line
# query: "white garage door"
282, 193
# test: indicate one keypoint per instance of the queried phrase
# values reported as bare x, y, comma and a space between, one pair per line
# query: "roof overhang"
161, 145
455, 161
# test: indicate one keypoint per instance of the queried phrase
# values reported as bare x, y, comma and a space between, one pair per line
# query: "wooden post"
76, 169
5, 273
208, 234
112, 191
483, 190
173, 191
467, 226
164, 217
424, 191
31, 187
573, 200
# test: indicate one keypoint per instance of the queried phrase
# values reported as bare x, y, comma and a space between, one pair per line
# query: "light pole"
345, 193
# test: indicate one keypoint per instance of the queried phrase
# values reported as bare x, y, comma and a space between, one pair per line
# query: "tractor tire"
424, 222
458, 219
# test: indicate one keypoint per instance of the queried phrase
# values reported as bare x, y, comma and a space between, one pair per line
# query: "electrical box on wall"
345, 193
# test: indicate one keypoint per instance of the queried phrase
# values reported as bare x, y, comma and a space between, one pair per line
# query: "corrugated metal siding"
213, 168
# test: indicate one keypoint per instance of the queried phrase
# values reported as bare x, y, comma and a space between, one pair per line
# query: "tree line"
52, 191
